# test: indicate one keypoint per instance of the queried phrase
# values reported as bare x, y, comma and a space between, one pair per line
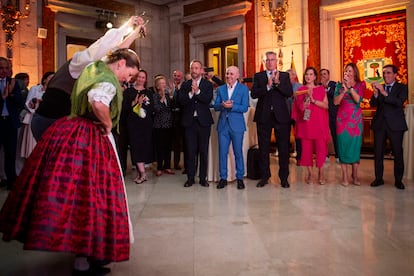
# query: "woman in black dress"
139, 108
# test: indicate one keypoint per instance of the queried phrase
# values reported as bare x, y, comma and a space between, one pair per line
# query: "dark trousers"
8, 140
282, 133
396, 139
298, 149
177, 146
197, 140
163, 145
332, 128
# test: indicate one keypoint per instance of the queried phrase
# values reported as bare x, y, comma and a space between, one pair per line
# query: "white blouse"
102, 92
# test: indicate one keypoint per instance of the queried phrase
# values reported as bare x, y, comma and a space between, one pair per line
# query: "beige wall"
296, 36
26, 46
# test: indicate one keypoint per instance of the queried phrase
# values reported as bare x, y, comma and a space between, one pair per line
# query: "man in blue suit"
232, 100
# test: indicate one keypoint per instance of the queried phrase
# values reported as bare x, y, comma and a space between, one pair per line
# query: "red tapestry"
374, 41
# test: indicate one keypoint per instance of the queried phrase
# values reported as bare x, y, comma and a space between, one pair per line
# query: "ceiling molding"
213, 15
90, 8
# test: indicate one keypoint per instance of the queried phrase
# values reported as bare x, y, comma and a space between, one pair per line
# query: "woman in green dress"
348, 96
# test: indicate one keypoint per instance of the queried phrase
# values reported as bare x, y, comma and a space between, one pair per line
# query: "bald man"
232, 101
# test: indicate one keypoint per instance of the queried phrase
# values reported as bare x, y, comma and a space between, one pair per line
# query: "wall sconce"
10, 17
276, 10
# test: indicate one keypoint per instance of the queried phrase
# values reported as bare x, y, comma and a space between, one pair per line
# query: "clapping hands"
227, 104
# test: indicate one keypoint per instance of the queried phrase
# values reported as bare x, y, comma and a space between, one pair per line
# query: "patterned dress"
349, 126
70, 195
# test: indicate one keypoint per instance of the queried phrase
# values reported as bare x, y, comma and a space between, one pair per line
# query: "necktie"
388, 89
2, 85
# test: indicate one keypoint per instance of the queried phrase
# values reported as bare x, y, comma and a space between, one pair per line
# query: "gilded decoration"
373, 42
376, 41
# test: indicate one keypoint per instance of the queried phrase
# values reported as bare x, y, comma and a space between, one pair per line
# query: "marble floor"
304, 230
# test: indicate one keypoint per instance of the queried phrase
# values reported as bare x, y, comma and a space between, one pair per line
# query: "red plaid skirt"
70, 196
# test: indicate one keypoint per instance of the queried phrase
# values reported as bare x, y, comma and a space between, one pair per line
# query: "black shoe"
240, 184
3, 183
92, 271
377, 182
222, 183
204, 183
399, 185
261, 183
189, 183
285, 184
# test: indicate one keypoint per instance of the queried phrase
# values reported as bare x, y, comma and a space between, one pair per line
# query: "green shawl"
96, 72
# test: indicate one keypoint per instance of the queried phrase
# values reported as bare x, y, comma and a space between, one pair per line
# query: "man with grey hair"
272, 88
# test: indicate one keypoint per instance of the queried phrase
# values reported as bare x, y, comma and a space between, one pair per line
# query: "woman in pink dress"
310, 112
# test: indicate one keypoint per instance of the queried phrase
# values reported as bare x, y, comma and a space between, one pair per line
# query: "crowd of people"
80, 122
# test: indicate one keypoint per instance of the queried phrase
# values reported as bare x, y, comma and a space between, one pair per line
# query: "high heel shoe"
168, 171
345, 183
140, 180
309, 180
356, 182
321, 181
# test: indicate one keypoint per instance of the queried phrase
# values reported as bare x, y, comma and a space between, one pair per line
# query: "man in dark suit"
11, 102
389, 122
332, 108
232, 101
195, 97
272, 88
178, 139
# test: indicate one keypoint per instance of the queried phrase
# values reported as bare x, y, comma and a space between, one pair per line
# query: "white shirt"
230, 89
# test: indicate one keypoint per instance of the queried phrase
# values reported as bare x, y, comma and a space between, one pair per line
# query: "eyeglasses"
269, 60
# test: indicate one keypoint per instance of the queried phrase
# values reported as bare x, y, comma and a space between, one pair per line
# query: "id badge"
306, 114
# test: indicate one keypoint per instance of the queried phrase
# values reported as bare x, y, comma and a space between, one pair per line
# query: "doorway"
220, 55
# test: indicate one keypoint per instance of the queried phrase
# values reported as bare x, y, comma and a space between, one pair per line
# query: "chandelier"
10, 17
276, 10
